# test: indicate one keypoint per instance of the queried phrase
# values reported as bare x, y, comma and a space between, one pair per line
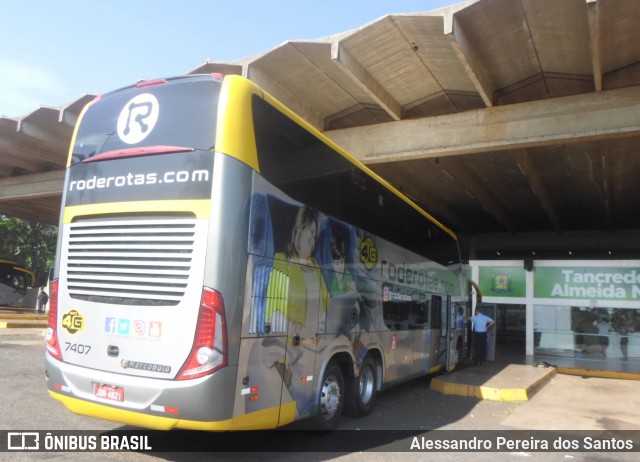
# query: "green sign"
502, 281
591, 283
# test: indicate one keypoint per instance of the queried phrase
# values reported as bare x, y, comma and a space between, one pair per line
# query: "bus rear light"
137, 152
147, 83
209, 351
51, 334
60, 387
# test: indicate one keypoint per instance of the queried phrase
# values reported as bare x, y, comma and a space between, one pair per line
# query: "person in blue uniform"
481, 324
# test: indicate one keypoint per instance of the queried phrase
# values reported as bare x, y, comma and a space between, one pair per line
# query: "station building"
584, 313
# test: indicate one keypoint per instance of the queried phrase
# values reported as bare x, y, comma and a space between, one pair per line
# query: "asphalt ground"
595, 406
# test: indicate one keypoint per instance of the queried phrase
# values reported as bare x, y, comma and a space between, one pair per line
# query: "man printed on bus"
342, 281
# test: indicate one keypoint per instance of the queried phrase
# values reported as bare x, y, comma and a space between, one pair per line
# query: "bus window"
312, 172
436, 312
409, 314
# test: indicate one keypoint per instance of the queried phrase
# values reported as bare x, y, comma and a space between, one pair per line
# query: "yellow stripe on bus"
200, 208
253, 421
235, 135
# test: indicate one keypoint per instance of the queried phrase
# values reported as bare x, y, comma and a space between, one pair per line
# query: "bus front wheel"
331, 399
361, 391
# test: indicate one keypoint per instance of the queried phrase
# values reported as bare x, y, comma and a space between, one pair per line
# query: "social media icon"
110, 325
123, 326
139, 327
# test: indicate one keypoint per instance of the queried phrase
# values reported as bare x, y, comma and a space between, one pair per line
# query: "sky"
54, 52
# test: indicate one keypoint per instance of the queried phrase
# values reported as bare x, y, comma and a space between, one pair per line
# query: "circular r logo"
137, 118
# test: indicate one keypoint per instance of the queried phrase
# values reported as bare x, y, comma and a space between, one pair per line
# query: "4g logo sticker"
73, 322
368, 253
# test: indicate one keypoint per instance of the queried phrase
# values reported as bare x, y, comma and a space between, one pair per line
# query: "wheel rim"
367, 384
330, 397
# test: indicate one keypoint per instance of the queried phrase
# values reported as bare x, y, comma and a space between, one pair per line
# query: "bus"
222, 265
16, 283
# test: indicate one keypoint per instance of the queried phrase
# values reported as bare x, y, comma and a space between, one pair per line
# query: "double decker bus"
222, 265
16, 285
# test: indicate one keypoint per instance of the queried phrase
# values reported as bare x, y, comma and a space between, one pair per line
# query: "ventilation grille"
133, 262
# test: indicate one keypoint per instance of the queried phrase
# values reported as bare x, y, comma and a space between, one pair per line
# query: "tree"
30, 244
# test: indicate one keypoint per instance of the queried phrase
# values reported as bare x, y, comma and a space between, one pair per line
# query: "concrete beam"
26, 212
606, 182
474, 66
596, 49
272, 85
576, 240
467, 181
571, 119
32, 186
351, 67
539, 189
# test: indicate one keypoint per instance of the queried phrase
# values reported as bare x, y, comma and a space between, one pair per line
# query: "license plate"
109, 392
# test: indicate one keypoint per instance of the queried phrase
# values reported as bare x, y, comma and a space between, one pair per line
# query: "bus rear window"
178, 112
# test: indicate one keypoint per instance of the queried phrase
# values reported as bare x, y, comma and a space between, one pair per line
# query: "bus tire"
331, 398
361, 391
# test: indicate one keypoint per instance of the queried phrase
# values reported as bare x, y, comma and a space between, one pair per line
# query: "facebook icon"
110, 325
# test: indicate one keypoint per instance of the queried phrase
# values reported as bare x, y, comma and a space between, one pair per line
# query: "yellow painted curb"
599, 373
491, 393
480, 392
23, 317
18, 324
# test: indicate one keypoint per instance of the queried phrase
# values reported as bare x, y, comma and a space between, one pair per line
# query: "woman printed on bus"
308, 292
304, 236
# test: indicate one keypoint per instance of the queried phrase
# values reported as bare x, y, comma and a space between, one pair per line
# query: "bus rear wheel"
361, 391
331, 399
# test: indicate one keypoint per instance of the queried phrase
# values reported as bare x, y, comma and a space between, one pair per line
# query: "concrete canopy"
516, 122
